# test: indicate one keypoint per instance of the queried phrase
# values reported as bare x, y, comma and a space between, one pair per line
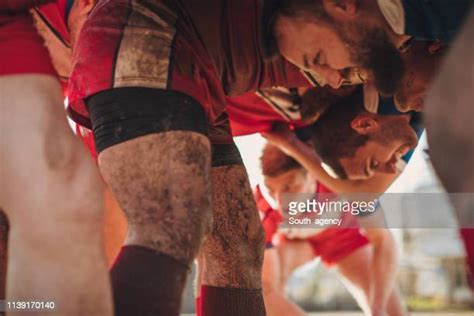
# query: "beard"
372, 49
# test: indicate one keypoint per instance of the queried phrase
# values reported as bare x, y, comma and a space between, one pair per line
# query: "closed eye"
369, 169
317, 59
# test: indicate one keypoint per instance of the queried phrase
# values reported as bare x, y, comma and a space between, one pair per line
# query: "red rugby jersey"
231, 34
50, 21
54, 15
21, 49
217, 51
256, 112
20, 5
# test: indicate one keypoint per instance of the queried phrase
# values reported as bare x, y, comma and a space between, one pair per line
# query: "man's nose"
333, 77
400, 103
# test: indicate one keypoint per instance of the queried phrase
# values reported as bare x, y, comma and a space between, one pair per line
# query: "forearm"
307, 157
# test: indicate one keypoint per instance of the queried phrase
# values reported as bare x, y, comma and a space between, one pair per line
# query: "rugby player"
346, 249
371, 186
258, 112
132, 55
150, 78
329, 36
53, 196
290, 110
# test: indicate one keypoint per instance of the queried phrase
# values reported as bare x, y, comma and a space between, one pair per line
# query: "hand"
281, 136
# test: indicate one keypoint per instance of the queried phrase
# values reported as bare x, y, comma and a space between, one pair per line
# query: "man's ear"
87, 5
365, 124
341, 9
436, 47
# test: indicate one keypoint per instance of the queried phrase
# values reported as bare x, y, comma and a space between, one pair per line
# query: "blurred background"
432, 274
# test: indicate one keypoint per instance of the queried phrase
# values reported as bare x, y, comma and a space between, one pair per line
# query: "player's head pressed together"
329, 37
356, 144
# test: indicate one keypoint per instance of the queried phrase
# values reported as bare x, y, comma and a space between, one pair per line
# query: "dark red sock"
198, 306
146, 282
467, 235
218, 301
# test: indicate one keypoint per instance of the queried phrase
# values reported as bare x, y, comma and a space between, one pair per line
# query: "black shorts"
122, 114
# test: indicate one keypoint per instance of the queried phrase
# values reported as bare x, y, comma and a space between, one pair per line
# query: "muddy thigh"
232, 254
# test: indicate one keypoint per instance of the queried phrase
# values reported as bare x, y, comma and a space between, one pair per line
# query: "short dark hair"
332, 135
302, 8
316, 101
288, 8
275, 162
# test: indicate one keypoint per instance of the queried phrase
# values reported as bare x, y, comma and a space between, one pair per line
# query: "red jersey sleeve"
271, 219
21, 5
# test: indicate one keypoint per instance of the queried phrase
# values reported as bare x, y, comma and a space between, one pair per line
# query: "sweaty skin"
232, 254
53, 202
115, 226
163, 189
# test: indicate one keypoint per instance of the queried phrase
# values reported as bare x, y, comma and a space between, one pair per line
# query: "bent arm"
308, 158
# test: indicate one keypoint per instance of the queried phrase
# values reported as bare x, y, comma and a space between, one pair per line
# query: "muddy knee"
155, 156
161, 182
